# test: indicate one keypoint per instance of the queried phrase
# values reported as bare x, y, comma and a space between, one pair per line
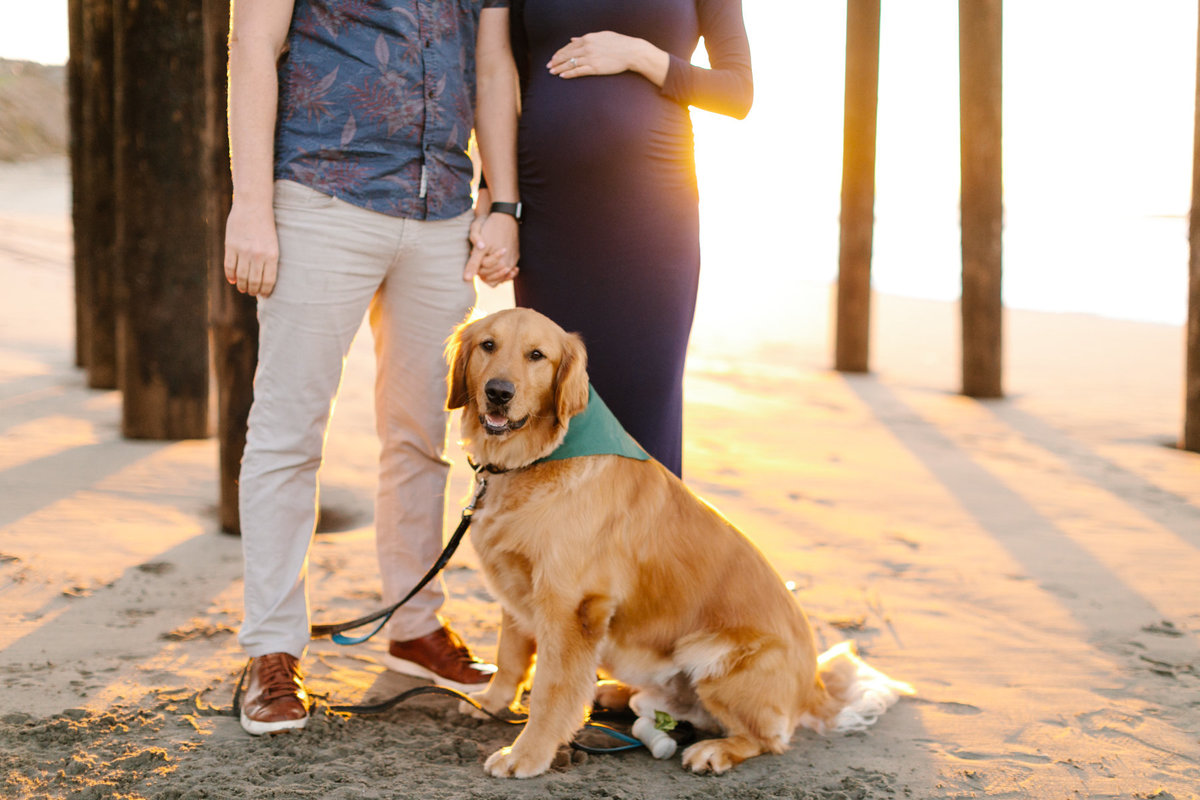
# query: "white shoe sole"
415, 670
256, 728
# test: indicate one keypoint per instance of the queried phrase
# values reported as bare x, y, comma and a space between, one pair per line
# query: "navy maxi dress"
610, 244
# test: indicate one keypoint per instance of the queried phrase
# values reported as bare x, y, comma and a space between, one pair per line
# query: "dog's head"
519, 379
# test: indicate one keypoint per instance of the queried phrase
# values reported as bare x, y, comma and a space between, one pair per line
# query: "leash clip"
480, 490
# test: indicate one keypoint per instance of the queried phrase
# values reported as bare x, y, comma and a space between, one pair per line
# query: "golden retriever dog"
606, 562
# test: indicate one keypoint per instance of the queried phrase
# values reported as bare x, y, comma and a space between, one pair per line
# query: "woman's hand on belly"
609, 53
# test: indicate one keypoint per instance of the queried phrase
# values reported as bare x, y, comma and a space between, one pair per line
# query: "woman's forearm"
496, 106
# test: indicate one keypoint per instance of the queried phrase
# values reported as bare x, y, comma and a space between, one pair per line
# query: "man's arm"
496, 133
257, 35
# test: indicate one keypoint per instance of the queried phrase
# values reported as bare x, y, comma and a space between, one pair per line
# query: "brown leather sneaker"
275, 699
442, 657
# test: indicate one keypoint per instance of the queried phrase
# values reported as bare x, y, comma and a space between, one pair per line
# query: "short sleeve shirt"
377, 103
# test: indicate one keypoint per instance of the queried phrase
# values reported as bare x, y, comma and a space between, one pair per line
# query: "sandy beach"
1029, 565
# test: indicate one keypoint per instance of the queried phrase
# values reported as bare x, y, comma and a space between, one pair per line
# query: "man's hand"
251, 249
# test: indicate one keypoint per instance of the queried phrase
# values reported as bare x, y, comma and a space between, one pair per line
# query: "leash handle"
340, 638
629, 742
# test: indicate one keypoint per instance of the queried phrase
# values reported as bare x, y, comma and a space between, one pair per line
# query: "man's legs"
333, 257
414, 312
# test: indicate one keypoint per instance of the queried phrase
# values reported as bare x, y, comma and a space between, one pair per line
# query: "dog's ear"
571, 381
458, 354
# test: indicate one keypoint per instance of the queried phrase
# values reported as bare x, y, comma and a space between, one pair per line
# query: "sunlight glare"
1098, 155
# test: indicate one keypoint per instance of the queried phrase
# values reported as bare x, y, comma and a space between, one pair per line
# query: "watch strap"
512, 209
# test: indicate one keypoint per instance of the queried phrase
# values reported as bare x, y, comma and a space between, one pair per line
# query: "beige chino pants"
337, 262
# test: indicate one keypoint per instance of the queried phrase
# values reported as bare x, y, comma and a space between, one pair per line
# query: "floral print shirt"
377, 103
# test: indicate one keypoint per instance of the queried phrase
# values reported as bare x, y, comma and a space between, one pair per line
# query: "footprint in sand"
948, 706
1163, 628
1026, 758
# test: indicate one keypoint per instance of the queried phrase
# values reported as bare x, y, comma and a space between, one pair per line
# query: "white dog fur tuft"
865, 692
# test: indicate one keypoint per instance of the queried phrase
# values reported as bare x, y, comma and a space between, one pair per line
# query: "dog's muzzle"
496, 420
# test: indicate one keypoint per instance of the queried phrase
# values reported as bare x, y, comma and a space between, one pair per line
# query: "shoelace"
278, 677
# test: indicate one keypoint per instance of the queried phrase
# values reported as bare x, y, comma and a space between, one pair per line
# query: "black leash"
382, 706
334, 630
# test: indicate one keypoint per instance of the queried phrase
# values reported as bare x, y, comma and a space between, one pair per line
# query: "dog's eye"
488, 345
536, 355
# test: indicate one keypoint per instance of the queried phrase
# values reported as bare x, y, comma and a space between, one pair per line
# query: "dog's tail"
858, 692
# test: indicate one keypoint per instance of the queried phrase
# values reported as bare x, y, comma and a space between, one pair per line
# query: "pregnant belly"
598, 124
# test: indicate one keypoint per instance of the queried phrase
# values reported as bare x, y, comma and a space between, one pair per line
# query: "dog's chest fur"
537, 536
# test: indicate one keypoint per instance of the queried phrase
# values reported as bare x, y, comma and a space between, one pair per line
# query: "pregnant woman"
610, 242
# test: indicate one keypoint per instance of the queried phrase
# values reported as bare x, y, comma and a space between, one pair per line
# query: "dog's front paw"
509, 762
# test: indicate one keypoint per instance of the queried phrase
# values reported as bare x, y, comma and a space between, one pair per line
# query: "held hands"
251, 249
494, 249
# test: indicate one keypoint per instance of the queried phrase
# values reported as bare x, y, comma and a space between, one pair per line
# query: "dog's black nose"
499, 392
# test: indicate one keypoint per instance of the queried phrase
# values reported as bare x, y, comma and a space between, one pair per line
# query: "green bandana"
596, 432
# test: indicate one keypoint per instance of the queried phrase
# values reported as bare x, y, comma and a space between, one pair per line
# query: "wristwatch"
512, 209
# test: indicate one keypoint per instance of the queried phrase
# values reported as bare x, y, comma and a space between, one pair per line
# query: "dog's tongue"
497, 420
